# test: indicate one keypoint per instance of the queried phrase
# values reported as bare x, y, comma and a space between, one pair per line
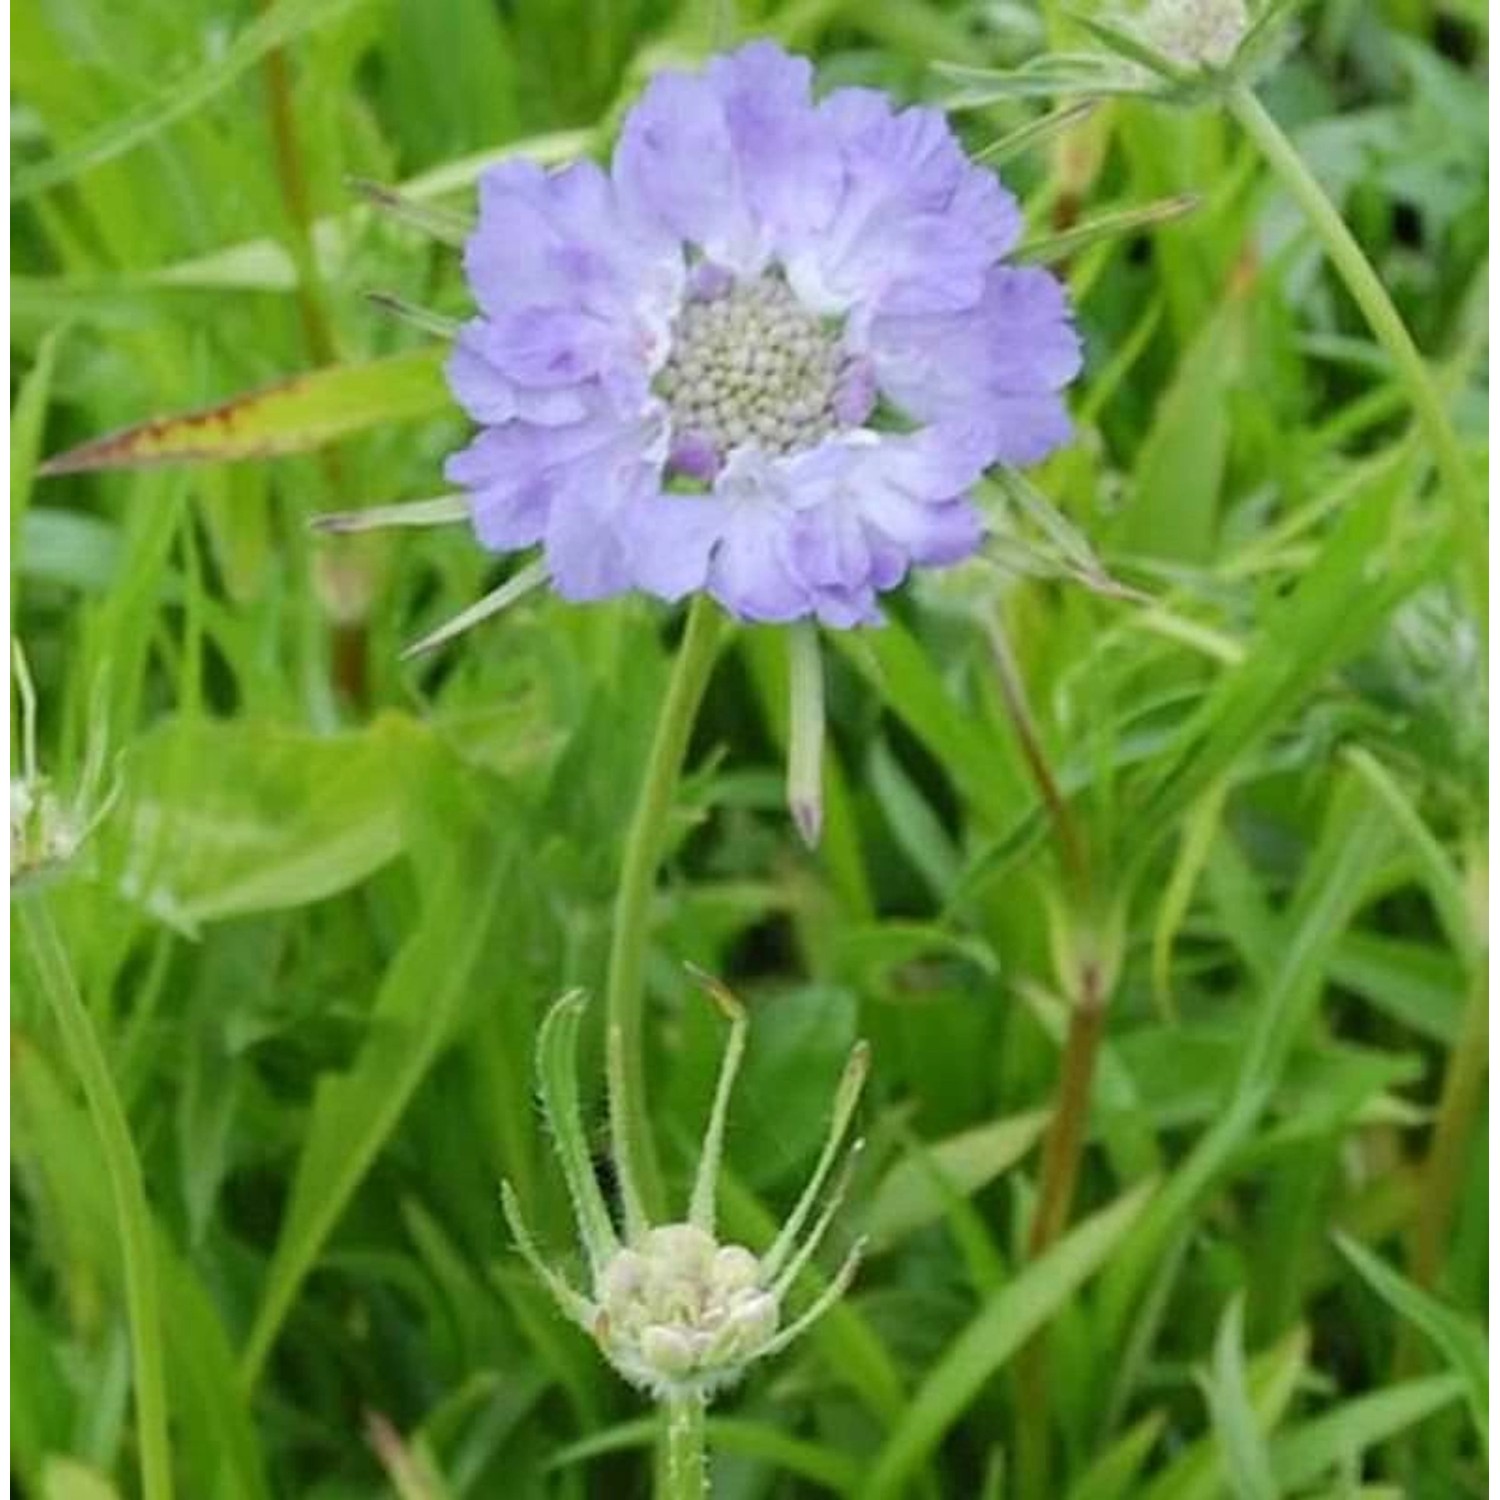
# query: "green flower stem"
1385, 323
686, 1474
132, 1214
625, 997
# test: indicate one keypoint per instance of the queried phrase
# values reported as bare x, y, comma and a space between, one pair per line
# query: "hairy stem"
1062, 1150
127, 1193
1369, 293
625, 996
1458, 1106
292, 180
1062, 1153
686, 1473
1013, 689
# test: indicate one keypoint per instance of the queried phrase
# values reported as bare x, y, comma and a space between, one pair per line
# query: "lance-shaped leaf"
291, 416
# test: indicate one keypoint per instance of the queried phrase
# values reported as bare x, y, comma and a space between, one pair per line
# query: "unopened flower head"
1198, 33
47, 830
676, 1310
765, 355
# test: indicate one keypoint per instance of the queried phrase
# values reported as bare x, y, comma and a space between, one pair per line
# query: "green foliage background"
332, 892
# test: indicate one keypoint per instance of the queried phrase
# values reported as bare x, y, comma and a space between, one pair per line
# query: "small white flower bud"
734, 1269
1198, 33
669, 1352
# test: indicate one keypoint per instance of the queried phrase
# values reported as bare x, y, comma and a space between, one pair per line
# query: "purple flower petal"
996, 365
520, 475
916, 225
789, 165
674, 169
671, 541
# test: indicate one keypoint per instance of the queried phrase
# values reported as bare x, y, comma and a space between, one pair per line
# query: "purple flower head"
766, 355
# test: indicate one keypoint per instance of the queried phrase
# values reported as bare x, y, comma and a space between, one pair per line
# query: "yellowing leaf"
291, 416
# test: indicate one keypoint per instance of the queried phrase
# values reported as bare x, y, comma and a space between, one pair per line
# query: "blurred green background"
329, 893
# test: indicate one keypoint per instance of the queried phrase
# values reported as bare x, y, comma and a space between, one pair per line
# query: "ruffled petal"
790, 169
521, 475
916, 225
873, 504
752, 571
586, 557
674, 170
491, 397
568, 291
671, 539
753, 574
998, 366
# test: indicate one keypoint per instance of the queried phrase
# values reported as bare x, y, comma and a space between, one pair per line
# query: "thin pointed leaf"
1035, 132
1248, 1462
1461, 1340
851, 1084
706, 1182
440, 510
1056, 247
423, 319
440, 224
557, 1072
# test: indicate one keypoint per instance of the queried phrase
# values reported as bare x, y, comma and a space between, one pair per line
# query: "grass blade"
1001, 1327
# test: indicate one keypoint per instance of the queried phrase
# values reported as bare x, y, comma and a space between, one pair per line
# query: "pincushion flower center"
679, 1308
751, 365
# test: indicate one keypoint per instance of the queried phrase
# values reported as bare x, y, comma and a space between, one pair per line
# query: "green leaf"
277, 25
67, 1479
915, 1190
1173, 512
1247, 1460
1201, 1470
228, 818
1006, 1321
1339, 1439
1113, 1476
353, 1115
291, 416
132, 1224
1359, 575
1349, 846
26, 423
1460, 1339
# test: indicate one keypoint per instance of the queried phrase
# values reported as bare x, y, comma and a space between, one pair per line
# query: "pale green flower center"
752, 365
681, 1310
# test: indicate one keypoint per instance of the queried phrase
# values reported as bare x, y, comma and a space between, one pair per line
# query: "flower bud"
1198, 33
673, 1309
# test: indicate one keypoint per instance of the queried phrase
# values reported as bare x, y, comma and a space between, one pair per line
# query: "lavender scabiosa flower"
764, 356
677, 1311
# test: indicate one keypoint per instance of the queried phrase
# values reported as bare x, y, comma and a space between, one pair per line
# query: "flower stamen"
751, 365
